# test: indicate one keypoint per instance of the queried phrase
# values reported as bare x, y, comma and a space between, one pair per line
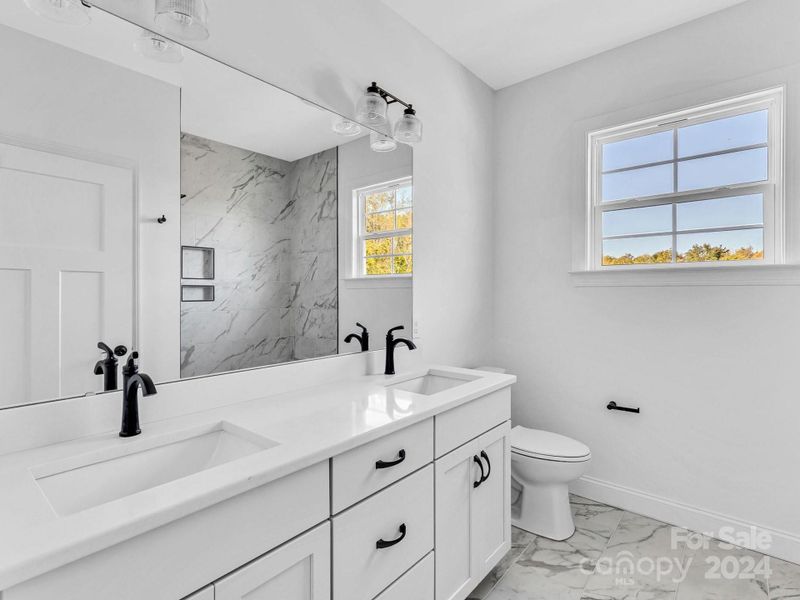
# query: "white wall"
328, 52
126, 119
714, 369
376, 304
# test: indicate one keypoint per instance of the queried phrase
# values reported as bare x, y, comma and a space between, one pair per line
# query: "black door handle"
485, 457
385, 464
480, 464
380, 544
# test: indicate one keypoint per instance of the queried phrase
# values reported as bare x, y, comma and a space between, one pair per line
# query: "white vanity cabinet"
473, 511
298, 570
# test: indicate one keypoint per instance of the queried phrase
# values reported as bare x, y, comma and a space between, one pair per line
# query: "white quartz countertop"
310, 425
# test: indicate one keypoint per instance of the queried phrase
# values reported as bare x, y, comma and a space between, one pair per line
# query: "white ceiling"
217, 102
507, 41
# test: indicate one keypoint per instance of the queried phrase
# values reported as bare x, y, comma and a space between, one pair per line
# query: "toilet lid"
535, 442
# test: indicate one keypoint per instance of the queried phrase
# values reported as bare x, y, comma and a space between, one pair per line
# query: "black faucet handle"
131, 365
363, 329
398, 328
105, 348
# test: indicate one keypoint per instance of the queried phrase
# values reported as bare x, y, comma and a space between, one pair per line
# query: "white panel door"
298, 570
67, 254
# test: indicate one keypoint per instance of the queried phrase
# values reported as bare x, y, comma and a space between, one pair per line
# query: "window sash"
771, 189
363, 236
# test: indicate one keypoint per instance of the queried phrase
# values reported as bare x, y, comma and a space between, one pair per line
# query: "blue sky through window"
738, 163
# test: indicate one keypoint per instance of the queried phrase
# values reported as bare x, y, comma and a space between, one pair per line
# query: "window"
385, 226
698, 186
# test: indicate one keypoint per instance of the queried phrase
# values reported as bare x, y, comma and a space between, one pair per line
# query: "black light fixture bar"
388, 96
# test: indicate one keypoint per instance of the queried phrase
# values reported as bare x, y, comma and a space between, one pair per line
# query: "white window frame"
361, 237
772, 189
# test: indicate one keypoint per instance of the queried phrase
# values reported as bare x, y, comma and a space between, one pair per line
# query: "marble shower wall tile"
273, 225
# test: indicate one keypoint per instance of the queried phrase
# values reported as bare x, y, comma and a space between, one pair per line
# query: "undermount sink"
432, 382
89, 480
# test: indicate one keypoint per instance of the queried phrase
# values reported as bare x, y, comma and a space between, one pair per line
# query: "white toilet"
542, 465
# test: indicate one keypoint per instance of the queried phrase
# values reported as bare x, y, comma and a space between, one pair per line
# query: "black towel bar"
613, 406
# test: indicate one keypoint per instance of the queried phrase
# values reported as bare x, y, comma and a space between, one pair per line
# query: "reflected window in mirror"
384, 243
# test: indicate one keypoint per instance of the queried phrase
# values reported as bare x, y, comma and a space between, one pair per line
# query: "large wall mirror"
154, 199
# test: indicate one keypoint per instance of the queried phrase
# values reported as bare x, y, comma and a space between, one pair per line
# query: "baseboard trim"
783, 545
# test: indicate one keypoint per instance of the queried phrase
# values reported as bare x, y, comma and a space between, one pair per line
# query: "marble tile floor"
618, 555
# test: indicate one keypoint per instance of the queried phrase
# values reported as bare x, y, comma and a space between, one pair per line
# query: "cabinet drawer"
360, 568
356, 474
460, 425
298, 569
417, 584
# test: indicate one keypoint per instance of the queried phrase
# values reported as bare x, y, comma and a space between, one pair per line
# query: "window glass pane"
404, 219
638, 251
379, 266
402, 244
653, 219
383, 200
380, 222
638, 151
378, 246
402, 264
743, 244
723, 134
638, 183
721, 212
404, 197
726, 169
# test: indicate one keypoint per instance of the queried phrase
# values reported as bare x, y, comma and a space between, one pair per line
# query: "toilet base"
545, 511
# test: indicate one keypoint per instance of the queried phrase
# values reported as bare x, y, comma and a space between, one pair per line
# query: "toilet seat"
546, 445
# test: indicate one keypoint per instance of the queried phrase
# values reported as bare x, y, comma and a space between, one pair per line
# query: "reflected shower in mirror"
166, 203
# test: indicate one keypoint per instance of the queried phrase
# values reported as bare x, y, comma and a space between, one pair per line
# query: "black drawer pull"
385, 464
380, 544
480, 464
485, 457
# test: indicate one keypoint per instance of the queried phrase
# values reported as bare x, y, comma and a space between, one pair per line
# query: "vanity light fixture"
380, 142
408, 128
183, 19
346, 127
158, 48
69, 12
372, 109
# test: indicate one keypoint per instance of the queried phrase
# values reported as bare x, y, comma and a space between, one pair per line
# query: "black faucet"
390, 345
363, 339
108, 366
132, 380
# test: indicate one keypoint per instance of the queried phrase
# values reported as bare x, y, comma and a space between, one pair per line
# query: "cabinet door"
473, 525
491, 503
455, 474
298, 570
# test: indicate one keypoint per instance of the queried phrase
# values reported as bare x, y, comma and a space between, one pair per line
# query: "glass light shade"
346, 127
71, 12
184, 19
371, 109
158, 48
408, 129
381, 143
